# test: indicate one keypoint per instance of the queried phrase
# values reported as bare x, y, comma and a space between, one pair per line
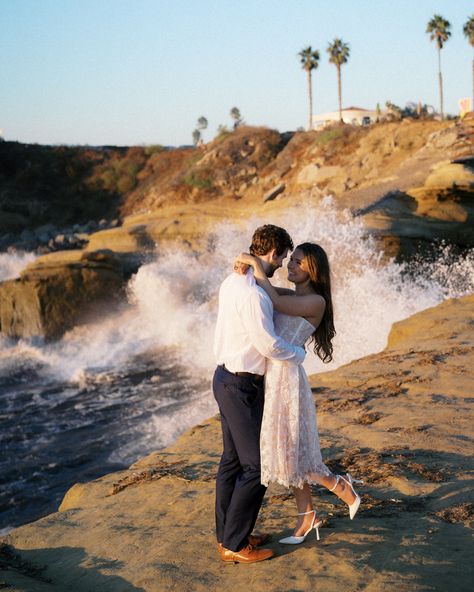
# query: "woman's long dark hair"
320, 278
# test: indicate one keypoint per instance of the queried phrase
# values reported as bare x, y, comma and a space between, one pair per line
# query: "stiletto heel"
356, 503
296, 540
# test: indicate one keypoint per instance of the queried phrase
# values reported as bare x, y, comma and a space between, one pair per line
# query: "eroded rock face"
453, 316
440, 210
459, 174
53, 295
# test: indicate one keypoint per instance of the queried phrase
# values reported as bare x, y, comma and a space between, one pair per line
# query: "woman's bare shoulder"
319, 299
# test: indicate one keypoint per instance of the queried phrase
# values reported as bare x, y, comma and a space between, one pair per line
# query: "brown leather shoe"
258, 539
254, 539
246, 555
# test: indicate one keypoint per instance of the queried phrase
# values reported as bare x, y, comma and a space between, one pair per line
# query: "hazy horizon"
120, 73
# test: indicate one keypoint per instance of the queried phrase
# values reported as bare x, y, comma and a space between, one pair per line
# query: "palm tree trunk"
310, 96
472, 104
339, 91
440, 80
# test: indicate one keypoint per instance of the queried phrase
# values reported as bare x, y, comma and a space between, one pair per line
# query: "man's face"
275, 262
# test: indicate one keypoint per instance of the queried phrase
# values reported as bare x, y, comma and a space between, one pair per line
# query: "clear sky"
143, 71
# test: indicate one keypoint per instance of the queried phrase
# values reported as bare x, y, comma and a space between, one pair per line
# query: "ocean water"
108, 393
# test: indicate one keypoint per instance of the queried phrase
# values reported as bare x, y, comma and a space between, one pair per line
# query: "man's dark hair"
269, 237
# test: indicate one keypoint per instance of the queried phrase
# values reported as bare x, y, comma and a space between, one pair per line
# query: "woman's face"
297, 267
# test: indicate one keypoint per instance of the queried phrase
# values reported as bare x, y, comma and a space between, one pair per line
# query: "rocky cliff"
410, 182
59, 186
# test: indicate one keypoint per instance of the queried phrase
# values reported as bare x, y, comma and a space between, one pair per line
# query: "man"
244, 338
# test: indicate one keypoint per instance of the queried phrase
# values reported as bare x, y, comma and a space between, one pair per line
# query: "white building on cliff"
351, 115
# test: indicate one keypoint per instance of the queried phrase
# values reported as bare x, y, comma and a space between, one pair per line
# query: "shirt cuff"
300, 354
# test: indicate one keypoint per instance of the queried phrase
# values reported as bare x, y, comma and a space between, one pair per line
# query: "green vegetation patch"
153, 149
193, 179
329, 136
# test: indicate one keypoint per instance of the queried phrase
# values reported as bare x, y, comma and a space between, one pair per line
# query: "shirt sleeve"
257, 317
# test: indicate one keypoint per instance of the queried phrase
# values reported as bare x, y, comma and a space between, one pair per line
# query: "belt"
244, 374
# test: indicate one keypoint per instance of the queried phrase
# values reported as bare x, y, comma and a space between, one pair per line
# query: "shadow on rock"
60, 568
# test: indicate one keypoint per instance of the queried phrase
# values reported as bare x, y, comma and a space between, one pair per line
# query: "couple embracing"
266, 406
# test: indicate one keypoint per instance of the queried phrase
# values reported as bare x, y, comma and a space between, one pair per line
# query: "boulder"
454, 206
451, 174
273, 193
122, 239
141, 233
442, 139
312, 174
59, 291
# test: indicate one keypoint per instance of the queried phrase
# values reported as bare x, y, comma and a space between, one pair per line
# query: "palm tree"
468, 30
338, 54
201, 126
202, 123
438, 27
196, 137
236, 116
309, 60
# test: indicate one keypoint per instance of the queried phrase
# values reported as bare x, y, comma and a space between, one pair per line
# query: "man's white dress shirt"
245, 335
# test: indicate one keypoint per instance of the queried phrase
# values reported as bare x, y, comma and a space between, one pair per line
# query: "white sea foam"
175, 296
11, 264
173, 299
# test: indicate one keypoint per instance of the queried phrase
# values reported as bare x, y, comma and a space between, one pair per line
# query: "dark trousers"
239, 492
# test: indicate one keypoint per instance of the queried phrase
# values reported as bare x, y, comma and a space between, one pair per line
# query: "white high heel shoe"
356, 503
296, 540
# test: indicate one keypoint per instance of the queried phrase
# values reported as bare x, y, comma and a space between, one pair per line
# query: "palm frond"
338, 51
309, 59
468, 30
439, 30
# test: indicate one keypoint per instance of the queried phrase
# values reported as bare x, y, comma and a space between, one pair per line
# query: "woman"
289, 441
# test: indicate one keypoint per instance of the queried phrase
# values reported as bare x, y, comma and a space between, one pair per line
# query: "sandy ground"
400, 420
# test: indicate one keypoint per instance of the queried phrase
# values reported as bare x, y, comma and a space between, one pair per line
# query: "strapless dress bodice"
295, 330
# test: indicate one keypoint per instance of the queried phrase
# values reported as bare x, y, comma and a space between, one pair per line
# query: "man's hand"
241, 268
243, 262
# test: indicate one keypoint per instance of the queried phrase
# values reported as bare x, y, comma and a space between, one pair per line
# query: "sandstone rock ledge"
61, 290
401, 420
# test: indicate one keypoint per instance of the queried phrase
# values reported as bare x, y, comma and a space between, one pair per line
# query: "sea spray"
12, 263
176, 295
173, 300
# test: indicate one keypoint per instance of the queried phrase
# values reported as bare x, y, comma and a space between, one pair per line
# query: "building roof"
356, 109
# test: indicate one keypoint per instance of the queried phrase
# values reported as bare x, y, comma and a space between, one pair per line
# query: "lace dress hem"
300, 481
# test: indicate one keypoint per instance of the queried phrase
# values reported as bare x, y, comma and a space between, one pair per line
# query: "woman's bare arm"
309, 305
284, 291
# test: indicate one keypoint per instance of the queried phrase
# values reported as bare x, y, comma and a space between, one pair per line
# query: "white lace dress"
289, 440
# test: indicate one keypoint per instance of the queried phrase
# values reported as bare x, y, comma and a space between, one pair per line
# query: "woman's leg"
304, 504
342, 490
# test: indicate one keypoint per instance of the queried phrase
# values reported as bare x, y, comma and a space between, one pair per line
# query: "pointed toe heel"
296, 540
354, 507
356, 503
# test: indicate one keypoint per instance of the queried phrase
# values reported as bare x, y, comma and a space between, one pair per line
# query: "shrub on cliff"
65, 185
